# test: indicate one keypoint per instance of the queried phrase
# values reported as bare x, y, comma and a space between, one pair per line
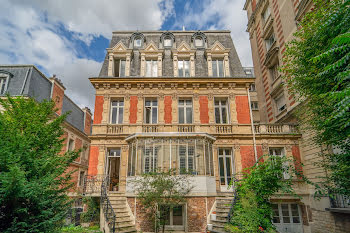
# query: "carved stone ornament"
289, 148
127, 96
237, 147
161, 96
210, 96
265, 146
196, 96
125, 148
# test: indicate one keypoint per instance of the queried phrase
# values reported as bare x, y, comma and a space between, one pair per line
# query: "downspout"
25, 80
252, 125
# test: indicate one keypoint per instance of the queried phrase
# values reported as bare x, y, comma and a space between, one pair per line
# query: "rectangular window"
185, 111
151, 68
269, 41
252, 87
274, 72
2, 85
218, 68
254, 105
266, 14
119, 68
286, 217
186, 154
173, 216
184, 68
221, 111
151, 111
279, 152
280, 103
81, 178
70, 145
150, 158
117, 111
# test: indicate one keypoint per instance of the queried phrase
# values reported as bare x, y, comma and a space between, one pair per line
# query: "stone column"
175, 65
110, 65
226, 65
192, 65
127, 65
123, 167
160, 65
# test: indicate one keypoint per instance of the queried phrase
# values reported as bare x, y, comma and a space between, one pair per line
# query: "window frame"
137, 38
220, 106
171, 42
282, 154
171, 215
284, 106
4, 84
183, 75
290, 212
273, 70
183, 170
119, 62
152, 158
270, 41
197, 38
81, 181
216, 62
263, 14
185, 106
252, 87
151, 110
118, 107
69, 145
254, 105
153, 63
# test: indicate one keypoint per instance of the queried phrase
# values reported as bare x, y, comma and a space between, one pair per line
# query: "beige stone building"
182, 100
271, 24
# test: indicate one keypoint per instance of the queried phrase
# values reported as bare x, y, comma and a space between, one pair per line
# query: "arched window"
198, 42
199, 39
137, 40
167, 39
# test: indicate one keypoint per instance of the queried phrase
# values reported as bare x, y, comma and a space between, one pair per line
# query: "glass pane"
181, 102
182, 154
155, 69
148, 115
198, 42
224, 115
148, 103
221, 167
114, 116
120, 119
177, 215
187, 68
122, 69
189, 102
221, 68
215, 68
148, 68
286, 220
296, 220
181, 68
121, 103
188, 115
294, 208
181, 116
167, 42
217, 116
276, 218
221, 151
228, 169
154, 102
154, 115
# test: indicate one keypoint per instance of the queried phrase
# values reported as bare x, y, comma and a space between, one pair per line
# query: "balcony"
212, 129
339, 203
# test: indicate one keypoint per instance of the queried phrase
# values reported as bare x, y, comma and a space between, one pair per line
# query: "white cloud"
230, 16
30, 34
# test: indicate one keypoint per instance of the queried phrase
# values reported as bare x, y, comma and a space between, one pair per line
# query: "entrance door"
113, 164
286, 218
225, 168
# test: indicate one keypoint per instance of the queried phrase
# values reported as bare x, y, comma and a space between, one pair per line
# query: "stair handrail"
109, 213
234, 201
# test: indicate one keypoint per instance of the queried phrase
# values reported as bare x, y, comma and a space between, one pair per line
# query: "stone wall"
325, 221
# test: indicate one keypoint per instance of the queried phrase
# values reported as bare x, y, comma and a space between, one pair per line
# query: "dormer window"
218, 68
137, 42
199, 39
167, 39
119, 68
167, 42
198, 42
4, 80
137, 39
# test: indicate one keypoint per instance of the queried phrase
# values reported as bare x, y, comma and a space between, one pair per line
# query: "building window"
252, 87
254, 105
198, 42
137, 42
274, 72
286, 216
184, 68
186, 155
70, 145
150, 158
221, 111
266, 14
117, 110
151, 111
173, 216
119, 68
185, 111
81, 178
280, 103
3, 84
270, 41
218, 68
279, 152
167, 42
151, 68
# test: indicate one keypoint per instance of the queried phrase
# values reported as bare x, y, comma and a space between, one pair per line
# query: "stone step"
222, 211
219, 225
125, 229
222, 218
218, 230
218, 221
123, 219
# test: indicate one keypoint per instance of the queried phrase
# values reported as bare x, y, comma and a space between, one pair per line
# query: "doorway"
225, 169
113, 169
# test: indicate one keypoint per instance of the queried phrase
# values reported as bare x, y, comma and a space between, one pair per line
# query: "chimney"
57, 93
87, 120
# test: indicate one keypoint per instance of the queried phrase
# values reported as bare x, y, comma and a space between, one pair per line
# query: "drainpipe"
252, 125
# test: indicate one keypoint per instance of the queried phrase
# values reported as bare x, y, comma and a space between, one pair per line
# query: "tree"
317, 72
252, 211
33, 178
159, 192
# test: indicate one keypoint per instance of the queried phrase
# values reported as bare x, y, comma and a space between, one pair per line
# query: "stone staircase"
124, 219
223, 206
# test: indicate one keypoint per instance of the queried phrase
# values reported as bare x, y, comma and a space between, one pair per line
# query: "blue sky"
69, 38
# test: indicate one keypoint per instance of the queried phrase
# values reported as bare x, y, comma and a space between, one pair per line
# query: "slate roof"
27, 80
201, 69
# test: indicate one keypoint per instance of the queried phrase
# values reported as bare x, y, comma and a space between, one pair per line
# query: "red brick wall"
87, 126
98, 109
93, 160
57, 97
133, 109
242, 108
247, 156
167, 109
64, 145
77, 146
196, 214
203, 109
253, 5
260, 153
297, 159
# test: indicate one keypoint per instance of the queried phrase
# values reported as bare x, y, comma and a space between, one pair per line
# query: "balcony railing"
92, 184
340, 201
214, 129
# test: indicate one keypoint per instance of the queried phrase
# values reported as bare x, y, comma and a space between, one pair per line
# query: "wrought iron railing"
234, 201
106, 205
339, 201
93, 184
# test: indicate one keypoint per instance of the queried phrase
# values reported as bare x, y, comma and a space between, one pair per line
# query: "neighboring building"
28, 81
271, 24
179, 99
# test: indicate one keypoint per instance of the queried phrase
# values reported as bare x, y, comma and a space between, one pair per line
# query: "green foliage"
93, 209
161, 188
80, 229
317, 71
33, 182
252, 210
